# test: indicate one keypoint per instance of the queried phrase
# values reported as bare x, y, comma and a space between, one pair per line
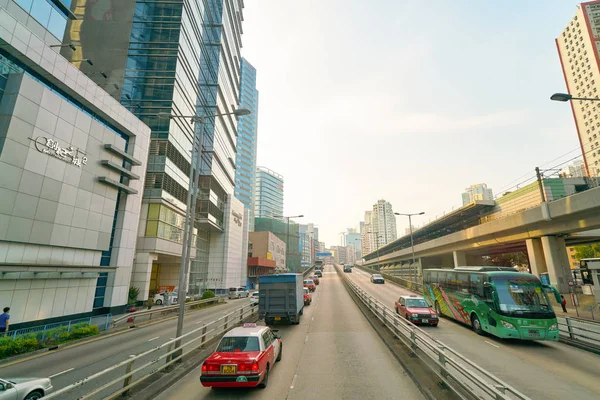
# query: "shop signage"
237, 218
71, 155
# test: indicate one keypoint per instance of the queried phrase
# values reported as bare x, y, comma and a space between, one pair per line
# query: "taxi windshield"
234, 344
417, 303
518, 295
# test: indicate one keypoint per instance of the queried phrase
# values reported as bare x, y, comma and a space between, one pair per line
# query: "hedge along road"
74, 363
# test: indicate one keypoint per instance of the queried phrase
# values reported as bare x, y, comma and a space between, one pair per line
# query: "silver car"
24, 388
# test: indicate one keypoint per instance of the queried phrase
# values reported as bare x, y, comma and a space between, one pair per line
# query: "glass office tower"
245, 162
180, 57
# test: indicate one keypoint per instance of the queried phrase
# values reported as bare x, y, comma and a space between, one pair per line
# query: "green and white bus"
496, 300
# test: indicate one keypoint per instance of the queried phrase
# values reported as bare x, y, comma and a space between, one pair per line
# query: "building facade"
365, 234
72, 162
268, 245
289, 234
383, 224
479, 191
268, 194
245, 162
191, 68
352, 239
306, 245
578, 53
574, 170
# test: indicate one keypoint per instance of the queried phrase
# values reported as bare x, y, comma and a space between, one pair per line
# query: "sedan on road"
307, 297
308, 283
376, 278
315, 279
254, 299
416, 310
319, 273
243, 358
24, 388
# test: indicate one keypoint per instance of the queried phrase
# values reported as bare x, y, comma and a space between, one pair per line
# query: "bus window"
462, 281
433, 277
477, 284
450, 280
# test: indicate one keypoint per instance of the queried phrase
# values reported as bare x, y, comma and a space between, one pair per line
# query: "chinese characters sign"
237, 218
71, 155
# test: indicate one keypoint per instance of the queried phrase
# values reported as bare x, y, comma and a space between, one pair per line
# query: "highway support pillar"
535, 251
557, 261
460, 258
141, 274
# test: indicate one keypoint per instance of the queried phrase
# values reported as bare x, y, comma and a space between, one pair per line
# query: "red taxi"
315, 279
416, 310
310, 284
307, 297
243, 358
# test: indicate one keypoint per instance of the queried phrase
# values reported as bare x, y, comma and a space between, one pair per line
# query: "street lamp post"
566, 97
378, 237
192, 198
412, 245
287, 236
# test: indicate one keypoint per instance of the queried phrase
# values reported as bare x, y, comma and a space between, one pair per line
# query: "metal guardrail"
410, 285
467, 379
153, 360
101, 321
163, 310
307, 272
579, 332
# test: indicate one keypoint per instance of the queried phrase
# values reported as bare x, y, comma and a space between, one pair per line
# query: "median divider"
461, 375
139, 367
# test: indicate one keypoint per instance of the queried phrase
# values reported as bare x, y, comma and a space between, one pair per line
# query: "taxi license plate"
277, 318
534, 333
228, 369
424, 321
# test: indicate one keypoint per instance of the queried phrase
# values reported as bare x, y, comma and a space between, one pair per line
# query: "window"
238, 343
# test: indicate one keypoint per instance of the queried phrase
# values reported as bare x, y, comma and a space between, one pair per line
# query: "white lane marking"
306, 340
60, 373
154, 338
199, 322
492, 344
294, 381
312, 318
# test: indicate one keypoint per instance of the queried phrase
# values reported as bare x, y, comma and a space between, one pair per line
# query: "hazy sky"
407, 101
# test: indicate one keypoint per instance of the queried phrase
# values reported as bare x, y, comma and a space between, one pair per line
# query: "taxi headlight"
553, 327
508, 325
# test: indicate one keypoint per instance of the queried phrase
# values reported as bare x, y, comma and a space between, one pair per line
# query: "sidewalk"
587, 309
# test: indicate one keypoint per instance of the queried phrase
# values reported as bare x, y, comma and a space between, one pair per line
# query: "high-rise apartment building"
574, 170
268, 194
383, 224
179, 58
245, 162
479, 191
352, 240
578, 51
72, 167
366, 234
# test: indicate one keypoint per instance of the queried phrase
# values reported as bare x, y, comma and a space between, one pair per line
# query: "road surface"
75, 363
541, 370
333, 354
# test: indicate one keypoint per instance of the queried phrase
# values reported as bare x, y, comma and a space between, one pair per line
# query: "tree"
587, 251
518, 260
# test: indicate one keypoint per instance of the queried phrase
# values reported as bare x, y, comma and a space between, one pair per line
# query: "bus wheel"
476, 324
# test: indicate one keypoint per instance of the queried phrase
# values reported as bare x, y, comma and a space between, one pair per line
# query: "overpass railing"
580, 332
405, 283
463, 376
117, 380
139, 316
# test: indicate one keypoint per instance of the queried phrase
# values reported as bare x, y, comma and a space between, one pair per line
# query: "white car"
238, 292
24, 388
254, 299
159, 298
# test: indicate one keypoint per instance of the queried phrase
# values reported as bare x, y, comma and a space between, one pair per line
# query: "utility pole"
540, 184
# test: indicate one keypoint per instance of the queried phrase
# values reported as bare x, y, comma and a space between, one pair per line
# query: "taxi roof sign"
249, 325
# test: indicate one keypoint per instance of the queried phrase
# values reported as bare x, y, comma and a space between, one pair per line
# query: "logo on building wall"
71, 155
237, 218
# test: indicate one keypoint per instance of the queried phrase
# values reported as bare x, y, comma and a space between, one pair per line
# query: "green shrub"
84, 331
22, 344
209, 294
132, 295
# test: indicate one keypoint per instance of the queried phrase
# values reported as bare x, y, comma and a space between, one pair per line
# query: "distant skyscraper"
365, 235
578, 51
479, 191
574, 170
268, 193
383, 224
245, 161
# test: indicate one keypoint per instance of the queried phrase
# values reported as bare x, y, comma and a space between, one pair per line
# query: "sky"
405, 100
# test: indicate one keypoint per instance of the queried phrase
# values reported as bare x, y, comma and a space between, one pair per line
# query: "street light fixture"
287, 236
412, 245
192, 198
566, 97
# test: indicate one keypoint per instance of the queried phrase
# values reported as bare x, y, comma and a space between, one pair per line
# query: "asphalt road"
75, 363
333, 354
541, 370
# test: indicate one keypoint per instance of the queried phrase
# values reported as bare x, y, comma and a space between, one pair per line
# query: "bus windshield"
521, 295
